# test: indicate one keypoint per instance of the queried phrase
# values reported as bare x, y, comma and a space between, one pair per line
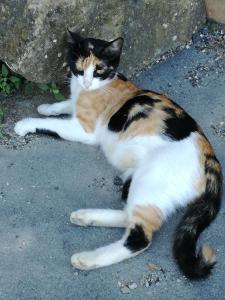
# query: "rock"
125, 290
117, 181
216, 10
132, 286
33, 33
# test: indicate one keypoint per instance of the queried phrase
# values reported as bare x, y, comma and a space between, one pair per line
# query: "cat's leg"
99, 217
137, 238
68, 129
55, 109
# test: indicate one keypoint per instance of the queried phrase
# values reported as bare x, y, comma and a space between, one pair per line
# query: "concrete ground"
42, 180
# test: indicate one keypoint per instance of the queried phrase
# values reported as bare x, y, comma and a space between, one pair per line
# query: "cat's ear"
73, 37
114, 48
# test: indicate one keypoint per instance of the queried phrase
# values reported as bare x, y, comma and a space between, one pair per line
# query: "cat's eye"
99, 69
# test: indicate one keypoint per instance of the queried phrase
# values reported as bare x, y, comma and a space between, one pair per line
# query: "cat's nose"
87, 83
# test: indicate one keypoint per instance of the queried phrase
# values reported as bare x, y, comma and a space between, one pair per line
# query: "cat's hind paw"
80, 217
25, 126
84, 261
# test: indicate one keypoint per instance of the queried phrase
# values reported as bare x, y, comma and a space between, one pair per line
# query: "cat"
165, 159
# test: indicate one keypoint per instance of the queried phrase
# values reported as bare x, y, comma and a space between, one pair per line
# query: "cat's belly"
127, 154
121, 156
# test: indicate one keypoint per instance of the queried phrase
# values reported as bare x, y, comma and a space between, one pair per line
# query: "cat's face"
93, 61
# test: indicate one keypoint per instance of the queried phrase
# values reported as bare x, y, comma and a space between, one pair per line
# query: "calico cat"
165, 160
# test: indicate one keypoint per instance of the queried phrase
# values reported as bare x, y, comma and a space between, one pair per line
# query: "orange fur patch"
149, 217
82, 64
208, 254
105, 102
148, 126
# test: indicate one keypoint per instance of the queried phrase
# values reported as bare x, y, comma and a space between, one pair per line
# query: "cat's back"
143, 122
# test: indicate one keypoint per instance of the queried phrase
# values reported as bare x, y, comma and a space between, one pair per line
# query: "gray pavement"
43, 180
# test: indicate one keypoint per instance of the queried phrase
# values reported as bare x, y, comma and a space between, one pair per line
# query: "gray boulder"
33, 32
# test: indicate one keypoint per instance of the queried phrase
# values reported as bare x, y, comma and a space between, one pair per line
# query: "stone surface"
216, 10
32, 32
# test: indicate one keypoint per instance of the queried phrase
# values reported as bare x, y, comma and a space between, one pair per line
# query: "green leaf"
27, 87
17, 84
14, 79
5, 70
7, 89
59, 97
55, 91
53, 85
43, 86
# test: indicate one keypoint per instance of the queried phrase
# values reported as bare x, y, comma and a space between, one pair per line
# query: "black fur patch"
126, 188
120, 121
179, 127
121, 76
79, 47
48, 132
156, 93
137, 239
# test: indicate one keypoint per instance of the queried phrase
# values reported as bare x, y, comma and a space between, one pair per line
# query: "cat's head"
93, 61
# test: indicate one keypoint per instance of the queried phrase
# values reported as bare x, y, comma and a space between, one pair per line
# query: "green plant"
52, 88
2, 117
8, 80
2, 114
2, 134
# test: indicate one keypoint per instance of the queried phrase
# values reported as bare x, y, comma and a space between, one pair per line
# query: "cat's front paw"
46, 110
84, 261
25, 126
80, 217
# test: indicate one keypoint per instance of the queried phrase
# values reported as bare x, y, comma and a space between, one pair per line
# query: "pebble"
132, 286
152, 266
125, 290
117, 181
174, 38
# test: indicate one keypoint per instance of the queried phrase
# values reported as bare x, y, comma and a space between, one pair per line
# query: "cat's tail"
200, 213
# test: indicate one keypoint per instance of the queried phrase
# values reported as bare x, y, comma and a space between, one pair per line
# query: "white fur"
88, 82
103, 256
99, 217
168, 177
88, 76
164, 173
64, 107
75, 89
69, 129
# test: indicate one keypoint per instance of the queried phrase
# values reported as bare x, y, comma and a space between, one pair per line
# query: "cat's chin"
96, 84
